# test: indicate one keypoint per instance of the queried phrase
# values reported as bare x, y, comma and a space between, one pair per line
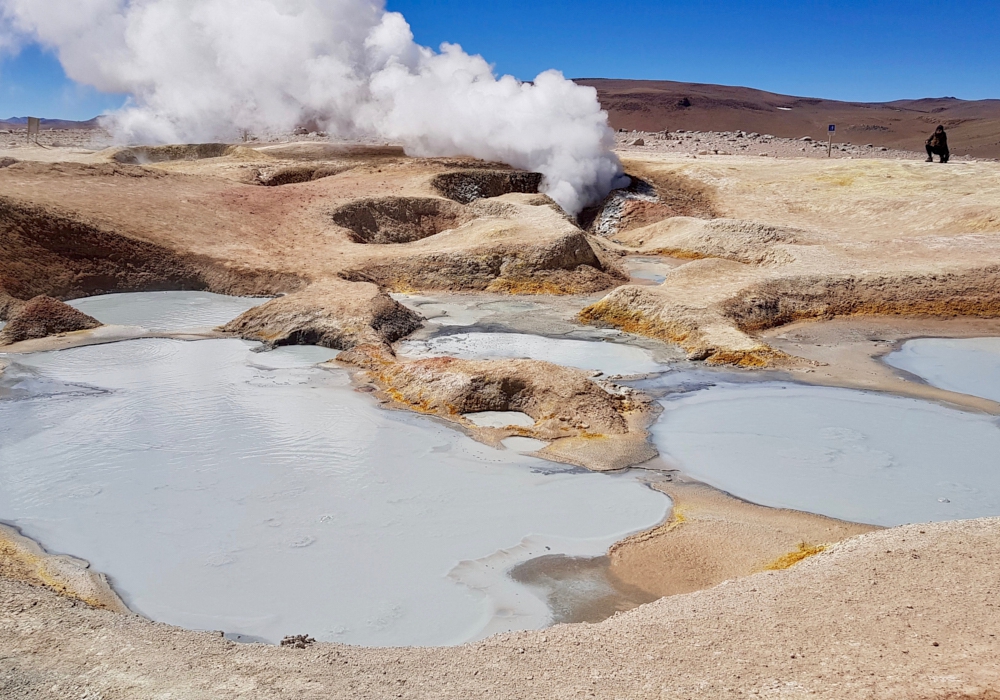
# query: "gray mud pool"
259, 494
607, 357
651, 269
165, 311
860, 456
968, 366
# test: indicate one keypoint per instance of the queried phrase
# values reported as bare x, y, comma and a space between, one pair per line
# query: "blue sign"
833, 127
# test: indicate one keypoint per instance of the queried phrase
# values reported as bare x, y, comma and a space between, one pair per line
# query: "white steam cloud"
204, 70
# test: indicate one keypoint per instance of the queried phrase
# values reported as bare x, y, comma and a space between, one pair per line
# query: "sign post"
829, 143
33, 125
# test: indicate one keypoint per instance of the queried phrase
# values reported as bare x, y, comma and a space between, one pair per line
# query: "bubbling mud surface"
222, 488
858, 456
966, 365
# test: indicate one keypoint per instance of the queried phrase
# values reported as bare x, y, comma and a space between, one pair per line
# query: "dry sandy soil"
658, 105
902, 613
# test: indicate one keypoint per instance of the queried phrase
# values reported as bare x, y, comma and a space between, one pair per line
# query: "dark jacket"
939, 139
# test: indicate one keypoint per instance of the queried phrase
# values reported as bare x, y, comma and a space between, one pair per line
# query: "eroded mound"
332, 314
140, 155
399, 219
598, 426
41, 317
567, 265
466, 186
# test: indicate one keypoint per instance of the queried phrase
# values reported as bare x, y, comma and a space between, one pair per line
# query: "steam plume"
204, 70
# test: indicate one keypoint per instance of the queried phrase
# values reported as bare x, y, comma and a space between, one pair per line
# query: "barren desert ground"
772, 268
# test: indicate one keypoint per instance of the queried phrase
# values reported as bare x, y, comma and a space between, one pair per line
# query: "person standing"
937, 144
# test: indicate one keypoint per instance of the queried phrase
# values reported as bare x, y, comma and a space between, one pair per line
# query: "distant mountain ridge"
654, 105
51, 123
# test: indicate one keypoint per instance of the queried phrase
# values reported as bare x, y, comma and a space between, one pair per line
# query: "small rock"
805, 138
297, 641
639, 142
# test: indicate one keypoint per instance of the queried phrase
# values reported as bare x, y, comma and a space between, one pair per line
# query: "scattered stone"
298, 641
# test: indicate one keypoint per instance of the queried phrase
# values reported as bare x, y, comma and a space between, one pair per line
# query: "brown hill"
648, 105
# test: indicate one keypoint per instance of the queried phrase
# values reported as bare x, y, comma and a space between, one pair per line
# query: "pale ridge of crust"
23, 559
711, 537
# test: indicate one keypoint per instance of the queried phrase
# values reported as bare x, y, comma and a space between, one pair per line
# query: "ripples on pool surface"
967, 365
250, 492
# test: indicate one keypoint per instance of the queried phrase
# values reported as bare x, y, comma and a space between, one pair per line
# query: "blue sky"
870, 50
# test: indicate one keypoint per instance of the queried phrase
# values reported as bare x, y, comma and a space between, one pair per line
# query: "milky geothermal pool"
165, 311
257, 493
607, 357
860, 456
222, 488
967, 365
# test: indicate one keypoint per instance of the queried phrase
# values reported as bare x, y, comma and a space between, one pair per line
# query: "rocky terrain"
728, 143
330, 230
